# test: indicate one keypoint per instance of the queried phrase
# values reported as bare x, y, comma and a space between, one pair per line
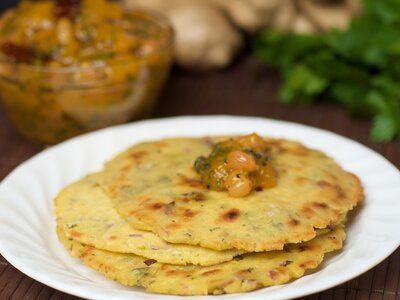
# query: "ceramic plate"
27, 231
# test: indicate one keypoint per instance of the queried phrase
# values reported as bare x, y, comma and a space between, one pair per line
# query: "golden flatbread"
154, 186
85, 214
245, 273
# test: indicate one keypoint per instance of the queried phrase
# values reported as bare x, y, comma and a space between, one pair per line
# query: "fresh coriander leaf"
387, 85
384, 128
353, 96
302, 85
376, 101
327, 64
368, 42
387, 11
282, 50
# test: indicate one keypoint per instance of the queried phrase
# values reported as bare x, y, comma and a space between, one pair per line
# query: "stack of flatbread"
146, 219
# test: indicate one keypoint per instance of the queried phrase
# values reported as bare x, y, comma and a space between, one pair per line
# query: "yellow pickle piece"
238, 165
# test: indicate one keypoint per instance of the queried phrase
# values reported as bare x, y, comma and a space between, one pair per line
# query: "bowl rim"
155, 17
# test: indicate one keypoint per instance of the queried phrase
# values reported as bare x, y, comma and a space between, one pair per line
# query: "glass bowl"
50, 104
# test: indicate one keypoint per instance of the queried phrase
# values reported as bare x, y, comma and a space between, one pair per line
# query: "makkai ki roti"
85, 214
245, 273
154, 186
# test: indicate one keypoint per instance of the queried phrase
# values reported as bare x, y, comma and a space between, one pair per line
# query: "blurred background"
7, 3
97, 64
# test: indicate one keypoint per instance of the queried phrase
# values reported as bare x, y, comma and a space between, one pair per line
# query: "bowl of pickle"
73, 66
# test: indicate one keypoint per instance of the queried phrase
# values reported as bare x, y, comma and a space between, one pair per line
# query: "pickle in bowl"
73, 66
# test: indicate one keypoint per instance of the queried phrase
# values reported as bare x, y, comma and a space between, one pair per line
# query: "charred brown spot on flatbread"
120, 182
340, 192
192, 182
320, 205
113, 189
308, 264
179, 272
107, 268
172, 226
211, 272
138, 155
335, 241
281, 270
230, 215
125, 168
76, 234
113, 237
188, 213
132, 212
244, 272
192, 196
308, 212
156, 206
273, 274
149, 262
324, 184
86, 252
295, 248
293, 222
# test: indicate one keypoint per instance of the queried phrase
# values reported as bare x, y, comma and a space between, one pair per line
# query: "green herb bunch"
359, 67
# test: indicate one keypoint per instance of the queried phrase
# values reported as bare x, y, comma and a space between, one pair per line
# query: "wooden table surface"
247, 88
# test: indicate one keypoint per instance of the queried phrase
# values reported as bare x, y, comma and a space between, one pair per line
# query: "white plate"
27, 230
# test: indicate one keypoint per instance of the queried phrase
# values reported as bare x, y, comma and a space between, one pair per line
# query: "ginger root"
204, 38
207, 32
325, 15
248, 15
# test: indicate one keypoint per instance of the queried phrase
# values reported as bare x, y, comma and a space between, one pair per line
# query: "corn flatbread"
153, 186
247, 272
85, 214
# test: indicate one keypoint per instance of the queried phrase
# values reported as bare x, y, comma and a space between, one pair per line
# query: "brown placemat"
247, 88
